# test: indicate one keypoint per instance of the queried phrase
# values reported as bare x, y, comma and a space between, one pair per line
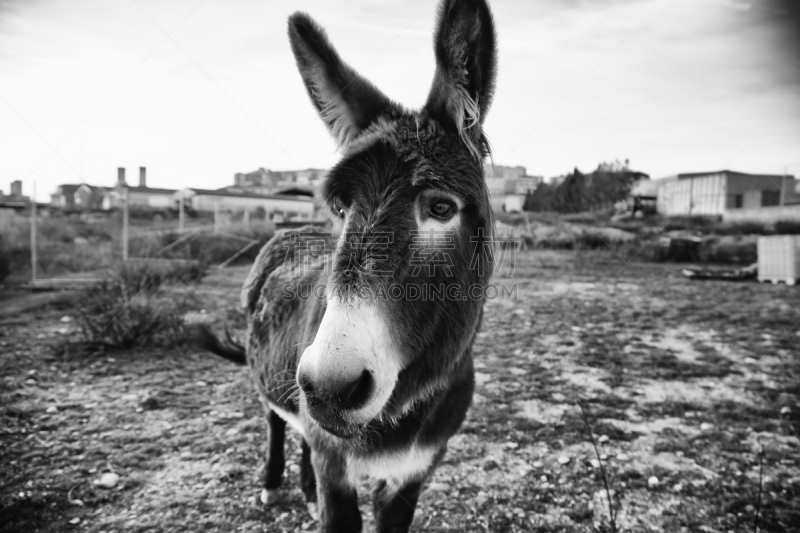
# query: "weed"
135, 307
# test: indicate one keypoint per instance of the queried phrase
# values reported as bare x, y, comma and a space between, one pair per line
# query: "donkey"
376, 370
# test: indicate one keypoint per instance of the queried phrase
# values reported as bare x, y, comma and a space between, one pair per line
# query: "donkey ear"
466, 62
345, 101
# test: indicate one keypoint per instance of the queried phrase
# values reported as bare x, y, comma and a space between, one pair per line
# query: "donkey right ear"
345, 101
466, 64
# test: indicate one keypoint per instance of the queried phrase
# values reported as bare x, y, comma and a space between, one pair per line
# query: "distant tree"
578, 192
572, 192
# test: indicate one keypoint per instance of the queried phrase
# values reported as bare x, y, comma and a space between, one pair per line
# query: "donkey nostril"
358, 392
305, 384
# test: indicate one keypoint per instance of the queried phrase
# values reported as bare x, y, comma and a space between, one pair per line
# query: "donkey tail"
227, 349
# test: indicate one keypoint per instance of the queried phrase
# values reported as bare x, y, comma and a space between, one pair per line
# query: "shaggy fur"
395, 163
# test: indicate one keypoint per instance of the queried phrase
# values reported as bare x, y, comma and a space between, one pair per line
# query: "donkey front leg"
336, 498
308, 481
275, 458
394, 508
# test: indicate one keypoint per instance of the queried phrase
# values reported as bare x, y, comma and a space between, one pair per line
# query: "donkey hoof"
269, 497
313, 510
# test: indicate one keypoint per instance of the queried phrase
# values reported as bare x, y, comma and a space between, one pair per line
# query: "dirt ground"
691, 391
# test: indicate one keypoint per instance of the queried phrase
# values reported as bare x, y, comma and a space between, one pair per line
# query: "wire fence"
54, 249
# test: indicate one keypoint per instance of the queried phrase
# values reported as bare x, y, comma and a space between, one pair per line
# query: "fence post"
216, 218
180, 214
33, 234
125, 220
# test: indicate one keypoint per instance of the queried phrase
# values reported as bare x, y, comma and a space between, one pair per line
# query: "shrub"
134, 307
5, 261
205, 247
729, 251
787, 227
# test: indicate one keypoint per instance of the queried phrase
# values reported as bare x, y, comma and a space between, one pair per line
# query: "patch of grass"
135, 307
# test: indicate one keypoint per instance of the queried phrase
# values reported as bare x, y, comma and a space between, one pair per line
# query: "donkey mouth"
333, 421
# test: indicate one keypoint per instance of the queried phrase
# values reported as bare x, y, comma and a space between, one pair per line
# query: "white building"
287, 207
508, 187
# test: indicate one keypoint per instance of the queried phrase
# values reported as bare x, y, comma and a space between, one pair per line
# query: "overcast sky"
196, 91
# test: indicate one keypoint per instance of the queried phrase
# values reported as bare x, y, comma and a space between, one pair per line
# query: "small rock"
150, 403
749, 360
595, 463
52, 409
66, 319
108, 480
538, 464
294, 469
563, 460
201, 384
602, 439
440, 487
489, 464
786, 410
236, 414
231, 432
512, 445
139, 409
706, 426
129, 397
75, 520
677, 487
481, 378
652, 481
622, 457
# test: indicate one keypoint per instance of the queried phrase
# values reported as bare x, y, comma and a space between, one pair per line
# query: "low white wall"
763, 214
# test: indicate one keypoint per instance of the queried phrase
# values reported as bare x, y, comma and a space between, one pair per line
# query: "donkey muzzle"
350, 370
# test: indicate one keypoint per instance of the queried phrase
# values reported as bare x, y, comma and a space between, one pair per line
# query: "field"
690, 391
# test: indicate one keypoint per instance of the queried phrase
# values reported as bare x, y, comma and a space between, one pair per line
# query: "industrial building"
715, 193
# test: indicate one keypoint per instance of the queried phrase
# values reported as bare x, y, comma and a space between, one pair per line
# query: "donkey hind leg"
308, 481
275, 458
394, 509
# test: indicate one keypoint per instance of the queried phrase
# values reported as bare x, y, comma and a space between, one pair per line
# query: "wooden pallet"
775, 281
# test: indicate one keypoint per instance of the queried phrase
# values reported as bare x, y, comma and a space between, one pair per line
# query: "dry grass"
683, 382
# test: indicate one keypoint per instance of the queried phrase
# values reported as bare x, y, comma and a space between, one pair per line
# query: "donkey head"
405, 296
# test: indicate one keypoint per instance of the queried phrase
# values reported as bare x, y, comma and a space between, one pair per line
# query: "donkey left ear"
345, 101
466, 64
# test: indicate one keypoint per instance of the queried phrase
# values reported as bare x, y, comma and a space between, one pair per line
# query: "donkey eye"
442, 210
338, 210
